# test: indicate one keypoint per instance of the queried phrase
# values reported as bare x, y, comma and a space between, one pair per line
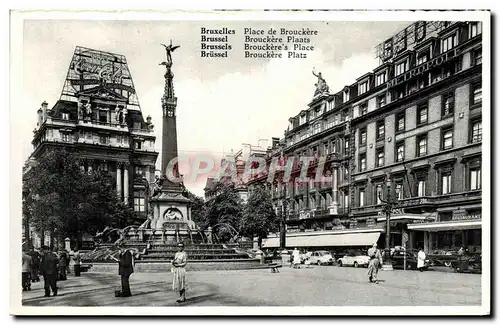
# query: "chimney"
44, 111
40, 117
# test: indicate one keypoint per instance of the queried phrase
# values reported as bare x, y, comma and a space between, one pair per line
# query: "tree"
259, 217
198, 208
224, 208
58, 196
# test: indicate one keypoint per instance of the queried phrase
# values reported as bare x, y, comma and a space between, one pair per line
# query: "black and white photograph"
227, 162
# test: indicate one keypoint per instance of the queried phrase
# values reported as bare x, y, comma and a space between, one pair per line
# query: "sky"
222, 103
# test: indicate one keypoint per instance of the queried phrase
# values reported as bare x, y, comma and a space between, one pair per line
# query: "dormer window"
103, 116
449, 42
65, 116
302, 119
424, 56
381, 78
363, 87
475, 29
345, 95
401, 68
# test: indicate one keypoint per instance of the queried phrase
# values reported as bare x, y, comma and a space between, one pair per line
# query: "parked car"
354, 259
468, 263
321, 258
398, 260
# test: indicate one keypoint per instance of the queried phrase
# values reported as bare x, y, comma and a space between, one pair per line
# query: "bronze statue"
321, 86
169, 49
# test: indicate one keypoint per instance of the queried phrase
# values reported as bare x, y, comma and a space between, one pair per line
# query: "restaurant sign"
424, 67
463, 215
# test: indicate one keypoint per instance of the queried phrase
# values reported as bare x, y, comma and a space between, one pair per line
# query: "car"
354, 259
398, 260
321, 258
468, 263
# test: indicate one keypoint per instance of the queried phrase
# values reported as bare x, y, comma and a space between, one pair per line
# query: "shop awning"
325, 240
446, 225
407, 216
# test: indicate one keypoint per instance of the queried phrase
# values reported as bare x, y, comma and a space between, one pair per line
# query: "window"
423, 57
448, 104
400, 122
362, 197
401, 68
104, 166
346, 145
447, 139
89, 135
326, 148
380, 130
65, 116
378, 194
362, 162
317, 128
477, 132
302, 119
139, 204
363, 87
363, 108
478, 57
346, 200
448, 43
399, 191
362, 137
65, 137
475, 29
381, 100
477, 94
138, 144
103, 139
119, 139
345, 95
400, 151
421, 188
380, 157
138, 170
475, 179
381, 78
422, 113
421, 145
445, 183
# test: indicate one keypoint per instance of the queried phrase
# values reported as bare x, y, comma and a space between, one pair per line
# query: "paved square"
316, 286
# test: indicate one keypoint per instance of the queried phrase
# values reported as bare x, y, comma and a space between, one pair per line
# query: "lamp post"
390, 202
283, 222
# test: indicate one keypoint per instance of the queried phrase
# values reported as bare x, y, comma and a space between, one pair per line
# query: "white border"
15, 201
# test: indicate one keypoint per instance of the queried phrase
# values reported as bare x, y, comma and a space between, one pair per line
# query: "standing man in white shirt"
421, 260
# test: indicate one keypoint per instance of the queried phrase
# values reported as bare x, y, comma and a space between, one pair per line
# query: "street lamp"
390, 203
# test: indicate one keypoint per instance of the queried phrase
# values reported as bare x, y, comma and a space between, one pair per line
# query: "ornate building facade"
410, 130
99, 116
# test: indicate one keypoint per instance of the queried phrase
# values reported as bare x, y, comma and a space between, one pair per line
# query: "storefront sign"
463, 215
421, 69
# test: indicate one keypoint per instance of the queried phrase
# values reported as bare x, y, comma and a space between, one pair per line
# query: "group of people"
126, 263
53, 266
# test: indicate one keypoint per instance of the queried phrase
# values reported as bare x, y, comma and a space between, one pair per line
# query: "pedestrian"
125, 269
26, 272
76, 261
421, 260
63, 264
461, 251
179, 273
48, 267
375, 263
291, 261
296, 258
35, 265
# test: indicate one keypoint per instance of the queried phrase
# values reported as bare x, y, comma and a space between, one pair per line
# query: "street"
314, 286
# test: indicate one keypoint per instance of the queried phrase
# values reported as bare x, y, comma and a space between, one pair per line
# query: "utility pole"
283, 221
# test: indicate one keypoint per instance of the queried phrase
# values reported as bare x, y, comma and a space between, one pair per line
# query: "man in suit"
125, 269
63, 264
49, 268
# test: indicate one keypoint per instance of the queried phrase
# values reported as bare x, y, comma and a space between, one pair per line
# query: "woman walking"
179, 270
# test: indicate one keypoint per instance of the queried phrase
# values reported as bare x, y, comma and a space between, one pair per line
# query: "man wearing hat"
125, 268
49, 269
